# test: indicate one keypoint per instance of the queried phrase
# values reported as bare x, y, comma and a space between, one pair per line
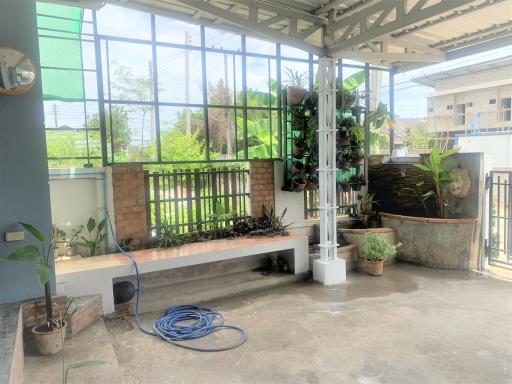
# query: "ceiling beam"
280, 10
251, 24
399, 22
452, 15
391, 57
495, 29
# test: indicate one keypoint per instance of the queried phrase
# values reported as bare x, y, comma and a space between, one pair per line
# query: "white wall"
497, 148
77, 194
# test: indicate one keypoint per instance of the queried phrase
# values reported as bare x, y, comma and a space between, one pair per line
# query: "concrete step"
94, 345
201, 290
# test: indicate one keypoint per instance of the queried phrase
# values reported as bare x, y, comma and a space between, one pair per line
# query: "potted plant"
435, 166
297, 167
356, 181
299, 148
356, 156
59, 241
93, 243
48, 336
298, 182
375, 251
71, 240
366, 202
312, 183
296, 86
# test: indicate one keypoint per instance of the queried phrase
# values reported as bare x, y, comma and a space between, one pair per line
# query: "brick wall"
129, 203
261, 174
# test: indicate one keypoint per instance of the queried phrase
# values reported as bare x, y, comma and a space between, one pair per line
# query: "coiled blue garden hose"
204, 320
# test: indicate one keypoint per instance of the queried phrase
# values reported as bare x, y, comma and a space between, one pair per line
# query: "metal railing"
500, 218
345, 200
195, 199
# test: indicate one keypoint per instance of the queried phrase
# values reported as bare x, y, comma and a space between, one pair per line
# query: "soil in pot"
374, 268
295, 95
49, 342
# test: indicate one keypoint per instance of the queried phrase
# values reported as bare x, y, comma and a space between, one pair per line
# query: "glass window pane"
130, 71
216, 38
123, 22
380, 124
223, 73
182, 134
260, 46
177, 32
261, 134
179, 75
133, 131
223, 134
287, 51
261, 91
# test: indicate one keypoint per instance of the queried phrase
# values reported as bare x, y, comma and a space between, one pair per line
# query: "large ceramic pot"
49, 343
437, 243
295, 95
358, 236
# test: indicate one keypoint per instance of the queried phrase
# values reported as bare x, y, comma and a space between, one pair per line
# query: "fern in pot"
376, 250
48, 336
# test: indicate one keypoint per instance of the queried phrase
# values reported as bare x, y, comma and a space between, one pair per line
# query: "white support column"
328, 269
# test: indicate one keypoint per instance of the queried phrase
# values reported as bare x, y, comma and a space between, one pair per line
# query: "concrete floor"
413, 325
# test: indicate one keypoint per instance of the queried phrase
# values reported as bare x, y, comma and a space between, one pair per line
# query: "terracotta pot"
299, 185
295, 95
367, 207
374, 268
297, 167
298, 151
49, 343
312, 184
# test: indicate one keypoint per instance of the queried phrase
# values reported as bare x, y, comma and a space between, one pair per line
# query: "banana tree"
41, 255
435, 165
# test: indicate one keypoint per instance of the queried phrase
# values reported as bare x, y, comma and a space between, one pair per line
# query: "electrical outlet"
14, 236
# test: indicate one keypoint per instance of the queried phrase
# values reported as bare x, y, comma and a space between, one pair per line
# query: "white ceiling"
399, 33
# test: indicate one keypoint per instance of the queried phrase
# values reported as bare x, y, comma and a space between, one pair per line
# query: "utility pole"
188, 127
55, 119
229, 149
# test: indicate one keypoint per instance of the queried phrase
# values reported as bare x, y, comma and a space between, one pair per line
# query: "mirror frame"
25, 88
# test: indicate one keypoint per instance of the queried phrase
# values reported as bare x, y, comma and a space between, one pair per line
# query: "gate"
499, 243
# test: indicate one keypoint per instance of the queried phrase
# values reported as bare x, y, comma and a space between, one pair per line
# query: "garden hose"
201, 321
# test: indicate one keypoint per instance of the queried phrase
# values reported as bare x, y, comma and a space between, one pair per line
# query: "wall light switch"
14, 236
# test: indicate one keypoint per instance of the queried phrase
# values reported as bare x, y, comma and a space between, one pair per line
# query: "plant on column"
47, 336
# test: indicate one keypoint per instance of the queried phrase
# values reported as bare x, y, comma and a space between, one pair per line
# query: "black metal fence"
346, 200
196, 199
500, 219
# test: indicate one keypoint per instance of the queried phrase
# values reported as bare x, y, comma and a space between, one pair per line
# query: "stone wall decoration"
461, 182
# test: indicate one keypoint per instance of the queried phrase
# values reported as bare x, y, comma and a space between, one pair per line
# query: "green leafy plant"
41, 255
168, 236
356, 134
220, 215
296, 78
95, 237
377, 249
367, 198
435, 166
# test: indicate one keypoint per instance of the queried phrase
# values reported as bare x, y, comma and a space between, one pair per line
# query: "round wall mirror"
17, 72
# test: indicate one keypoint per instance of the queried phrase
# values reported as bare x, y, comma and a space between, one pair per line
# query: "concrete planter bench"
95, 275
437, 243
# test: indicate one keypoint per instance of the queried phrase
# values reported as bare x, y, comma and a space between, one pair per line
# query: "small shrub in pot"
376, 250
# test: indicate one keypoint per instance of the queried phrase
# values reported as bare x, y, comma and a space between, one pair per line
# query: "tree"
120, 129
418, 138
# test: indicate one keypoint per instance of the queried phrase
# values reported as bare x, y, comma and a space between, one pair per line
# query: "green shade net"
59, 29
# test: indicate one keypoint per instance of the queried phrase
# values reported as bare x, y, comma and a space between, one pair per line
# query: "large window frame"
105, 101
